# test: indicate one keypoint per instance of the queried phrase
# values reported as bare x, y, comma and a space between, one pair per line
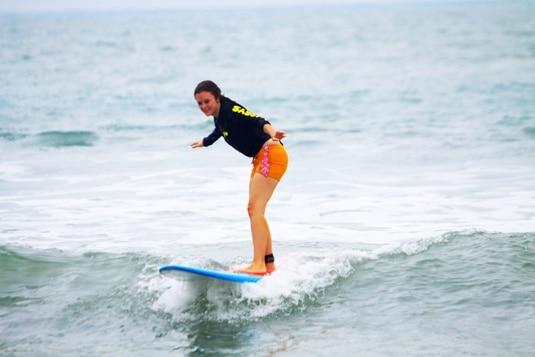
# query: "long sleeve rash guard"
240, 128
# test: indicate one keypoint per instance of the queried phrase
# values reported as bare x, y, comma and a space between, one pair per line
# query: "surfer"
254, 137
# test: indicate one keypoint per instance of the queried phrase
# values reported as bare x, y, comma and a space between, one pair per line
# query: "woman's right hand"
197, 144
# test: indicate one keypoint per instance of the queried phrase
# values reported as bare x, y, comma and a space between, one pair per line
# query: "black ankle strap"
269, 258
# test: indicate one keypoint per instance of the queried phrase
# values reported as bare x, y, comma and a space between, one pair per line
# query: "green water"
457, 293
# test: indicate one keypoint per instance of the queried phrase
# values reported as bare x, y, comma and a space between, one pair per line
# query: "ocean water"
405, 224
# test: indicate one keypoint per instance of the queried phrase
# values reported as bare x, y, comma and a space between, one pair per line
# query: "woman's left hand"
279, 135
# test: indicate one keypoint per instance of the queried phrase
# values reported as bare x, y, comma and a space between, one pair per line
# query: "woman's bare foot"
254, 269
270, 268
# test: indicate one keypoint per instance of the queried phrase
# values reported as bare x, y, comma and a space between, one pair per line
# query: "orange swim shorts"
271, 161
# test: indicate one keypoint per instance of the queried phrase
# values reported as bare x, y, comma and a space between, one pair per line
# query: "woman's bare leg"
260, 191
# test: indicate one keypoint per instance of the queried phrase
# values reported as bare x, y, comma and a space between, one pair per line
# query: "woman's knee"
254, 209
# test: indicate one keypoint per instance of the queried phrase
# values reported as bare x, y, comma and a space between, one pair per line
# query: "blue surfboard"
192, 272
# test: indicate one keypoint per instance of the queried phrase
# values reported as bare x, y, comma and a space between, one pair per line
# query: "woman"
254, 137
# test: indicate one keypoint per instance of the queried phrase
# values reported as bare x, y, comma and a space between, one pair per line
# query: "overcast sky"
55, 5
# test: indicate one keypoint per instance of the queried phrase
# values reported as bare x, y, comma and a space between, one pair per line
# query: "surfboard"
193, 272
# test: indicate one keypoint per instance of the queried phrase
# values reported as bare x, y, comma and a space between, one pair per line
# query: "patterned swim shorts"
271, 161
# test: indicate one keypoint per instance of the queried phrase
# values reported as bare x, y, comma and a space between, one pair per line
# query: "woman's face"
208, 104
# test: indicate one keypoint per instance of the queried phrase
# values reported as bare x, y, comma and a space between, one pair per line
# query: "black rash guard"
240, 128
